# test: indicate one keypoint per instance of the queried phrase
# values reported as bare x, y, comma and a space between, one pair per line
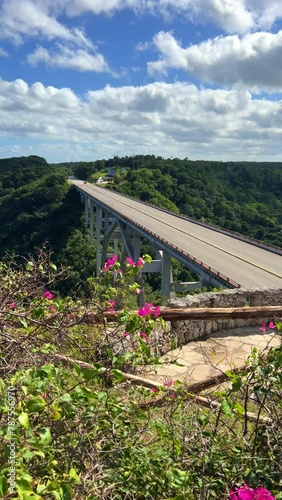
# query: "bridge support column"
91, 223
136, 247
98, 239
86, 209
106, 221
166, 274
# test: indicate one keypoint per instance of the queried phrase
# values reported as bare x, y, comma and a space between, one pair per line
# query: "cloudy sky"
90, 79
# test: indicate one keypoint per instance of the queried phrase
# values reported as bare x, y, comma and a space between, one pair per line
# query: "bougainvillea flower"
247, 493
140, 263
263, 327
243, 493
145, 337
154, 389
157, 311
271, 325
12, 305
262, 494
125, 333
110, 263
131, 262
147, 310
48, 295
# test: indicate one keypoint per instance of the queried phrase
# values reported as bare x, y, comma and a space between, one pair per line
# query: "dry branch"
136, 380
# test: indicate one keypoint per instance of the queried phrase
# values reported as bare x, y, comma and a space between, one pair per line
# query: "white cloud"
253, 60
22, 19
164, 119
64, 57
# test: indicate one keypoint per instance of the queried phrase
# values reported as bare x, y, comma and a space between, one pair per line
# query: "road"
248, 265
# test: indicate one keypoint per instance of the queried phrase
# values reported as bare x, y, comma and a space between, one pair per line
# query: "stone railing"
188, 330
179, 333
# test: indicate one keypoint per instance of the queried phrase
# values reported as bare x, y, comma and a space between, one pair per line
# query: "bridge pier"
118, 227
98, 238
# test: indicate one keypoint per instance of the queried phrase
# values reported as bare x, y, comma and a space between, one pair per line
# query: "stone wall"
189, 330
179, 333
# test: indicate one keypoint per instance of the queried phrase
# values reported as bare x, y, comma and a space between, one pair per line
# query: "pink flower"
271, 325
140, 263
171, 395
147, 310
125, 333
157, 311
263, 327
168, 383
119, 271
48, 295
243, 493
12, 305
261, 493
137, 291
145, 337
129, 261
110, 263
247, 493
112, 304
52, 308
154, 389
71, 315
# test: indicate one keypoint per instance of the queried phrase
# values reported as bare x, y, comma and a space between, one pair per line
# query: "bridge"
220, 257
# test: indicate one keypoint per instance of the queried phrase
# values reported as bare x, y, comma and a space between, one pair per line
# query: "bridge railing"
178, 250
218, 229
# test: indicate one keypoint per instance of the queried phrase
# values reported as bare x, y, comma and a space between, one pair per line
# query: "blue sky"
88, 79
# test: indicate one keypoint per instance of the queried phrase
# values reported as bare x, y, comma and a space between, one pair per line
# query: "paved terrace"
202, 359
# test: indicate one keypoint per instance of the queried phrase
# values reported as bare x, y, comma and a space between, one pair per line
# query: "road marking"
196, 237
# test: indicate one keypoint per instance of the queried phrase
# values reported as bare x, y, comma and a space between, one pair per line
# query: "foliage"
38, 206
81, 430
240, 196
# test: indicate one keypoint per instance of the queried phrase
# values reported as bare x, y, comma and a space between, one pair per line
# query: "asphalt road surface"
248, 265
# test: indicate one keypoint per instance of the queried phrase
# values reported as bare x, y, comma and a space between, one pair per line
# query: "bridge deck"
248, 265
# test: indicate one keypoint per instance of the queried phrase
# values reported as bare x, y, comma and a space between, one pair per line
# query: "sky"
82, 80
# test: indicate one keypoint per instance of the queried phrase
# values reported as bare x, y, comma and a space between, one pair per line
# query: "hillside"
37, 205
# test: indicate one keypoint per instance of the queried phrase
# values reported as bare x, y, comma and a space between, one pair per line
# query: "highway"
246, 264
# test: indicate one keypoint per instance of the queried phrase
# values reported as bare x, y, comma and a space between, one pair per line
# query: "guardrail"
178, 250
218, 229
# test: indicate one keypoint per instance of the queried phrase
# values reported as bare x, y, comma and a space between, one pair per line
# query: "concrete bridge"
220, 257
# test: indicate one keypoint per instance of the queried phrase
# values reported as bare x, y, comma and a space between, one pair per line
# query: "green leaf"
89, 373
45, 436
236, 384
77, 369
39, 312
23, 322
226, 408
53, 266
35, 404
146, 350
23, 419
66, 491
239, 408
118, 375
3, 485
23, 486
73, 475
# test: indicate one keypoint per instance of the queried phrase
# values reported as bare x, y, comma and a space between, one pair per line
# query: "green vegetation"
240, 196
38, 206
73, 427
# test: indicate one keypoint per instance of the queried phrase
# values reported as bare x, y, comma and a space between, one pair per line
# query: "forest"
38, 205
79, 418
